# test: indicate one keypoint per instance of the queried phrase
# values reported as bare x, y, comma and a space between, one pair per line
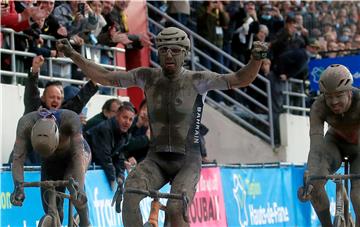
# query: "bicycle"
156, 205
343, 216
52, 218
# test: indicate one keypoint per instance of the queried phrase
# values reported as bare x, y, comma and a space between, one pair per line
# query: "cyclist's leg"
186, 179
77, 169
323, 160
147, 175
51, 171
355, 184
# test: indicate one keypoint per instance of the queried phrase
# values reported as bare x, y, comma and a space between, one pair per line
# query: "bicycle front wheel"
49, 221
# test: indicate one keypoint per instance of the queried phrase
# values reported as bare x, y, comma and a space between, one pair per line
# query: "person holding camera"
78, 18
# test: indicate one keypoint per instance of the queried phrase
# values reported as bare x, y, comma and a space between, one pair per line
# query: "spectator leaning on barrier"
107, 141
138, 146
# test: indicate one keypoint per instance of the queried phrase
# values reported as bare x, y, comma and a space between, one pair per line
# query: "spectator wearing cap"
312, 49
107, 141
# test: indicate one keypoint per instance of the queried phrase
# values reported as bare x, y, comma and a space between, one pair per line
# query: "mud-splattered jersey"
174, 105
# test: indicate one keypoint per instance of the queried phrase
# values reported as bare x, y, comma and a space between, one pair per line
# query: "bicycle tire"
49, 221
339, 221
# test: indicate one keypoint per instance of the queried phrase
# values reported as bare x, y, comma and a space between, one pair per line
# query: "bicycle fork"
154, 213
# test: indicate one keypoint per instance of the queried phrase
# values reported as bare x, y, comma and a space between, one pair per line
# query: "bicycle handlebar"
45, 184
70, 184
334, 177
156, 195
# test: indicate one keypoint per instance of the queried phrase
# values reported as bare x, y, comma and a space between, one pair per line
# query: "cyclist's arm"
206, 81
317, 120
101, 141
23, 134
101, 75
245, 76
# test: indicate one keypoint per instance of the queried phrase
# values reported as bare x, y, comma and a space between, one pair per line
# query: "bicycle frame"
52, 218
156, 206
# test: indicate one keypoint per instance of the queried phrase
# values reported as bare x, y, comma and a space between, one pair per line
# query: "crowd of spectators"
296, 31
97, 23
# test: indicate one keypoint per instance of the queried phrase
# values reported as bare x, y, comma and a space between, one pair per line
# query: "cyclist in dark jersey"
339, 107
175, 98
56, 135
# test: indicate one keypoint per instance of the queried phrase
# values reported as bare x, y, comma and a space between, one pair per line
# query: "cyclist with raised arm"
175, 98
56, 135
339, 107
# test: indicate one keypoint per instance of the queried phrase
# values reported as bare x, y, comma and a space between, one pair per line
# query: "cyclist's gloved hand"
17, 197
63, 45
259, 50
118, 196
304, 194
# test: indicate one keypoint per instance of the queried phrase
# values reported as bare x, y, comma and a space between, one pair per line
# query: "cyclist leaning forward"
339, 106
175, 99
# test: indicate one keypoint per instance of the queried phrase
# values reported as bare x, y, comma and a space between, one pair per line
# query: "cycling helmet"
335, 78
172, 36
45, 136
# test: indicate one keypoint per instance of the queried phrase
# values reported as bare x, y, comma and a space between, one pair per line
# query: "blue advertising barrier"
262, 197
99, 195
252, 196
316, 67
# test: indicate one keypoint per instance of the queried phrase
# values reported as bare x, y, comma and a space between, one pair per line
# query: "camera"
81, 8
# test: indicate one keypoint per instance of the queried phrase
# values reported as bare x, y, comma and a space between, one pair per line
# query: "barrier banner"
98, 192
207, 208
259, 197
317, 66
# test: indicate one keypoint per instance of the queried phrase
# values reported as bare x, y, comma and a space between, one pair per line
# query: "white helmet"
335, 78
172, 36
45, 136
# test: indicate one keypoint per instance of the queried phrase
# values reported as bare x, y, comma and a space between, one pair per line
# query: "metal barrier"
296, 99
9, 37
254, 122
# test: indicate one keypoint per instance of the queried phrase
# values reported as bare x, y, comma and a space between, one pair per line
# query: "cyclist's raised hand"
17, 197
64, 46
259, 50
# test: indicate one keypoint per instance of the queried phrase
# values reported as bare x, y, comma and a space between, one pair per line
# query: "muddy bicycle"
156, 205
343, 216
52, 218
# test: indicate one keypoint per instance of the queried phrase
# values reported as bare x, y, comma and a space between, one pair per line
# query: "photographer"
78, 18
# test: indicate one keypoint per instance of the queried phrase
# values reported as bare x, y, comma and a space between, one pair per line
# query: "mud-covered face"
171, 59
338, 102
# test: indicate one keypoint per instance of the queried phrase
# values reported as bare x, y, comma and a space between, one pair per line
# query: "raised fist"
64, 46
260, 50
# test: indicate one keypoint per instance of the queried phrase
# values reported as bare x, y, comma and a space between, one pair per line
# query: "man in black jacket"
107, 141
